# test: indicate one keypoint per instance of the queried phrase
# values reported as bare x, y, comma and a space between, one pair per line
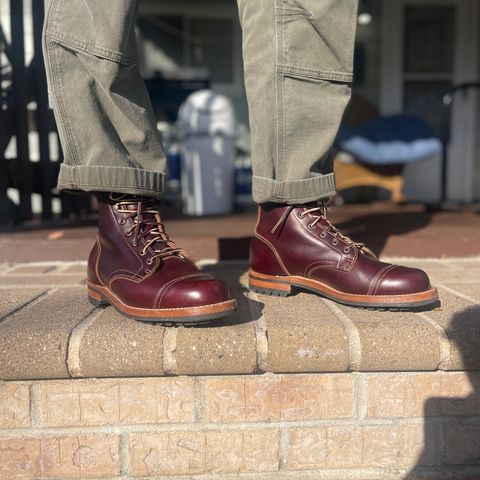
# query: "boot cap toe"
193, 292
402, 280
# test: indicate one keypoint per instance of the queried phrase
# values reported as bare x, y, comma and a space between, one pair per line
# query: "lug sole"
101, 297
282, 286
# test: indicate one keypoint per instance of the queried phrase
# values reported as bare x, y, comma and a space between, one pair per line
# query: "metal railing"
27, 127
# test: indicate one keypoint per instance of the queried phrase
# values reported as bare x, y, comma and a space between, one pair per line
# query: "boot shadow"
375, 229
235, 275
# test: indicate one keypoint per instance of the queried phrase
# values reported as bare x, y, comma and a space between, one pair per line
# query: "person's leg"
104, 116
111, 144
298, 57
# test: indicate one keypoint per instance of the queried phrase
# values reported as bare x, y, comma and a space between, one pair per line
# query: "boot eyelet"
334, 242
149, 261
323, 235
128, 234
346, 249
310, 226
301, 215
122, 221
135, 244
142, 253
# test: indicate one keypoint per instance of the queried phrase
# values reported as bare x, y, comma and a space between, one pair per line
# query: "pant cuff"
130, 180
294, 191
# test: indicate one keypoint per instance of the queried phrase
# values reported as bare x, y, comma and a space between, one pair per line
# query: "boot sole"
282, 286
101, 297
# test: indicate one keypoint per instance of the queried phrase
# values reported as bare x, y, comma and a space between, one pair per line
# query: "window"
428, 61
178, 41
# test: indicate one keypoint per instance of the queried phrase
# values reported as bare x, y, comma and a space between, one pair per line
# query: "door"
427, 47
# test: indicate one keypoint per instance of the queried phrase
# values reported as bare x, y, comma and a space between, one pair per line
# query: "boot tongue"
151, 227
129, 202
148, 216
162, 233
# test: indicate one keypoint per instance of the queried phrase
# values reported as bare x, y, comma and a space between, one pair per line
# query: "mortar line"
169, 347
354, 341
224, 426
261, 334
61, 268
283, 445
123, 453
25, 306
200, 393
443, 341
273, 375
74, 341
361, 390
53, 286
440, 433
458, 294
440, 261
458, 282
53, 263
34, 405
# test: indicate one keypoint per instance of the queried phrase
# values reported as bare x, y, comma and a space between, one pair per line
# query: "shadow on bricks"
234, 274
452, 424
375, 229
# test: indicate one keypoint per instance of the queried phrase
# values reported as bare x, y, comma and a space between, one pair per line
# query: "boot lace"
147, 225
319, 213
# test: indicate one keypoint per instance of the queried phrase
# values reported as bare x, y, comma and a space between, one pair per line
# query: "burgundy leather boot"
296, 246
135, 267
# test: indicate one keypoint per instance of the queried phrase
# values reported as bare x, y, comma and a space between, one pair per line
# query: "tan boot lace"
320, 213
147, 225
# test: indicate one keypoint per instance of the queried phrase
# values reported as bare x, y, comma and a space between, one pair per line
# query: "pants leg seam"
279, 48
56, 85
79, 45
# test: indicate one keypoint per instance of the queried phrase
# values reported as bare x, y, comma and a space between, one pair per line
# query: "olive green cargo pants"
298, 57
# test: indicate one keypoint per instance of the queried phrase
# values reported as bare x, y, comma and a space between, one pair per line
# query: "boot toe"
194, 292
403, 281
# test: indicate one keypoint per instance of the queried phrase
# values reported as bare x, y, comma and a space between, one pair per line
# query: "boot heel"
96, 299
268, 285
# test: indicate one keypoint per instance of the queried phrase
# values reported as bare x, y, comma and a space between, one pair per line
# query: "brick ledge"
48, 330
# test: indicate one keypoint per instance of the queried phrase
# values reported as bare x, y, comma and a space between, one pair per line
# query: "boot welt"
282, 286
102, 296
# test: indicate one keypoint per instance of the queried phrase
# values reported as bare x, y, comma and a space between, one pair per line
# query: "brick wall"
335, 426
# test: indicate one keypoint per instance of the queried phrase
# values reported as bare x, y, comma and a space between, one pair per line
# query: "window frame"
191, 11
466, 67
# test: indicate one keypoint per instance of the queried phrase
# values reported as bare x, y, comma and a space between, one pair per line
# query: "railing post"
42, 113
20, 101
4, 209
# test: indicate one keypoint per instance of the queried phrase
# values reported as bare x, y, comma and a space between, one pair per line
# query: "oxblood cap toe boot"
135, 267
296, 246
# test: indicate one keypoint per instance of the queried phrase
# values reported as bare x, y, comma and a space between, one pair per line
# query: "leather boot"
135, 267
296, 246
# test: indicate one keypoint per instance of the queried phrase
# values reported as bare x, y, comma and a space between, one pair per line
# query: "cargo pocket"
315, 39
314, 66
104, 28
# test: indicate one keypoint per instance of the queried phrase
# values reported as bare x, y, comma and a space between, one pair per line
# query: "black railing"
22, 85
